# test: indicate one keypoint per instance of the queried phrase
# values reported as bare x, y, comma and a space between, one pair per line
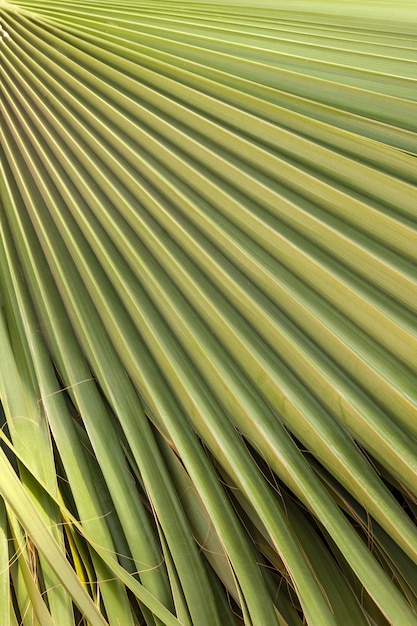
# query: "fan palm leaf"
208, 330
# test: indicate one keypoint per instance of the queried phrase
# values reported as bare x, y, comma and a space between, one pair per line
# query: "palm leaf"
208, 331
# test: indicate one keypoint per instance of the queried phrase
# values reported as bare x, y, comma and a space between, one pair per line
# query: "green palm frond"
208, 330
